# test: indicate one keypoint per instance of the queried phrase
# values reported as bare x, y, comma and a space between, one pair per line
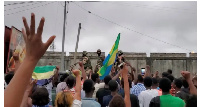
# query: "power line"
30, 8
158, 8
131, 29
21, 6
175, 8
19, 3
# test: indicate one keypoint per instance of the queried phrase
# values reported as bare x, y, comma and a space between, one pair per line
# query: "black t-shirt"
133, 98
182, 95
101, 93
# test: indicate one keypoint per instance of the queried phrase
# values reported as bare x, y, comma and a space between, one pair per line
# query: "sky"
150, 27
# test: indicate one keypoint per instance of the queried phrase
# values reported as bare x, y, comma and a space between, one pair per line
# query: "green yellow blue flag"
43, 72
109, 60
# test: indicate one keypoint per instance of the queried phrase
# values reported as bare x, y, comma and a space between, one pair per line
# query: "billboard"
17, 44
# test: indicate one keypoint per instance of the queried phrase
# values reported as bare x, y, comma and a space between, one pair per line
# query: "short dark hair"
94, 76
169, 71
140, 78
165, 74
154, 81
88, 86
129, 82
9, 77
62, 78
170, 77
165, 84
70, 81
147, 81
117, 101
107, 79
185, 83
178, 83
40, 96
113, 86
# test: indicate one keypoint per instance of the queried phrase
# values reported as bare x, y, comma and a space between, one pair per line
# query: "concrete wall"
157, 61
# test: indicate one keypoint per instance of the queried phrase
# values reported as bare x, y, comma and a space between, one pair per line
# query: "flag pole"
76, 48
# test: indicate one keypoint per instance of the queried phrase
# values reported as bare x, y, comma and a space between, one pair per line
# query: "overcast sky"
172, 22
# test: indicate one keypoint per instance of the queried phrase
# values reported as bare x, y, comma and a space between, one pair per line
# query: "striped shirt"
137, 89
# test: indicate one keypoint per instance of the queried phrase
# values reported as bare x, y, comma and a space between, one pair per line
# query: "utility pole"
63, 40
79, 28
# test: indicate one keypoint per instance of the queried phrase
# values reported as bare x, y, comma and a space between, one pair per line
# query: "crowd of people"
121, 88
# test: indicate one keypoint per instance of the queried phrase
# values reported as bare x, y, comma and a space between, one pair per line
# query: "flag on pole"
109, 60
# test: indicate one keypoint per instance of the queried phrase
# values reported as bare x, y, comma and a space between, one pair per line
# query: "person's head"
64, 99
191, 101
117, 101
177, 84
70, 81
9, 77
165, 84
147, 82
107, 79
113, 86
95, 77
99, 52
40, 96
140, 78
88, 86
185, 83
169, 71
154, 83
170, 77
129, 82
165, 74
62, 78
130, 77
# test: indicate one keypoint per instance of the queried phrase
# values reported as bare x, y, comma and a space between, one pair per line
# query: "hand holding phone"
142, 71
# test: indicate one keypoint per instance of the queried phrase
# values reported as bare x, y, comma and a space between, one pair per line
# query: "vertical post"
63, 40
79, 28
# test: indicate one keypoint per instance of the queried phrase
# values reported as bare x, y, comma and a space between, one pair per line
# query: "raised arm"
116, 76
155, 74
126, 86
77, 95
55, 76
133, 70
35, 49
28, 93
187, 77
147, 71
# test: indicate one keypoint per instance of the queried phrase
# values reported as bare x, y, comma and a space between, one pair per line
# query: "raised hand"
147, 68
124, 70
35, 48
30, 86
185, 74
80, 64
76, 72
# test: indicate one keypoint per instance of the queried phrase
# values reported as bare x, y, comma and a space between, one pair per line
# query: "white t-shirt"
76, 103
97, 86
60, 87
49, 88
146, 96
